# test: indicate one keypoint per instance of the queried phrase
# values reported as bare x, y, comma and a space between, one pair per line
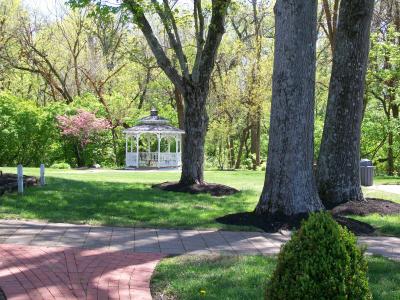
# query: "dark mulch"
8, 182
369, 206
276, 223
214, 189
271, 223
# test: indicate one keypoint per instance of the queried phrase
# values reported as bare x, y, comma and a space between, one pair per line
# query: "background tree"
382, 122
289, 186
338, 176
192, 84
81, 129
239, 101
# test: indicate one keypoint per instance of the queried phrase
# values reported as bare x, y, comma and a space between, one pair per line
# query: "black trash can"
366, 172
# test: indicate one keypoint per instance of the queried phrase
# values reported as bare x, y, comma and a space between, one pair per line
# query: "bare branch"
162, 59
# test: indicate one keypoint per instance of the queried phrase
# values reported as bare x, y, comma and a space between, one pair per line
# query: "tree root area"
276, 223
8, 182
217, 190
369, 206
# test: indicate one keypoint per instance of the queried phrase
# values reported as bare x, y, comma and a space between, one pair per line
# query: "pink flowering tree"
82, 128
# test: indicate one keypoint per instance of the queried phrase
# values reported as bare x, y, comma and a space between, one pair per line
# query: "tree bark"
180, 108
289, 186
231, 147
243, 140
390, 158
196, 121
338, 176
255, 142
80, 161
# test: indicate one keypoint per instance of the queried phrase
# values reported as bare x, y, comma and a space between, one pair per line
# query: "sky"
41, 6
44, 6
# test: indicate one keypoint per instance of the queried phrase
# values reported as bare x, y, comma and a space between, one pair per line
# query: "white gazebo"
153, 143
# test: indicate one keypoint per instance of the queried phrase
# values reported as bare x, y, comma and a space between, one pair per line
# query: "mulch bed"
214, 189
278, 223
8, 182
275, 223
369, 206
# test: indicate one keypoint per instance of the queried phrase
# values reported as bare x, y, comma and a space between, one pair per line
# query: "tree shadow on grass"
122, 204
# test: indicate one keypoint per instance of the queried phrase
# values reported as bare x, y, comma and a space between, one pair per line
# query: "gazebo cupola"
153, 143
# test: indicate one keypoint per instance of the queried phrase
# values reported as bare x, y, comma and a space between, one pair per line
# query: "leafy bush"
321, 261
28, 133
61, 165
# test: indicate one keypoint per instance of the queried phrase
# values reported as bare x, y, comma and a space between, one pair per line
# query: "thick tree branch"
202, 72
162, 59
199, 26
169, 23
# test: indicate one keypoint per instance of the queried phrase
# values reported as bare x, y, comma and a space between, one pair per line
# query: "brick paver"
34, 272
92, 262
163, 241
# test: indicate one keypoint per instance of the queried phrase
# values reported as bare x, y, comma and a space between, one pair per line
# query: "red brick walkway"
29, 272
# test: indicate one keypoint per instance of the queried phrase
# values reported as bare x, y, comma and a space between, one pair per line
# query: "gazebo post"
137, 150
159, 154
131, 143
126, 144
126, 150
176, 150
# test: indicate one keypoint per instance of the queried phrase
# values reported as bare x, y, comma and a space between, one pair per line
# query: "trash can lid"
365, 163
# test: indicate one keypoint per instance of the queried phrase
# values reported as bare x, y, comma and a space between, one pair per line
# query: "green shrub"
321, 261
61, 165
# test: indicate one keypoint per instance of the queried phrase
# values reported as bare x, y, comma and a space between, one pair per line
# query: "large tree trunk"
338, 176
196, 121
289, 186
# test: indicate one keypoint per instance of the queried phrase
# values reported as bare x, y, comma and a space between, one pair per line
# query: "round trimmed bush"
321, 261
61, 165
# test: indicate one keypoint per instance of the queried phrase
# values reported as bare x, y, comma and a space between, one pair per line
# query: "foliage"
112, 73
83, 126
322, 260
381, 123
61, 165
28, 134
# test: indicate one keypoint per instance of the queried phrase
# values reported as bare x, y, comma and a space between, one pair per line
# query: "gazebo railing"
150, 159
131, 159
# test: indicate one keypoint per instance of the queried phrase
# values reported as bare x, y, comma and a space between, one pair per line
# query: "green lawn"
245, 277
386, 180
386, 225
125, 198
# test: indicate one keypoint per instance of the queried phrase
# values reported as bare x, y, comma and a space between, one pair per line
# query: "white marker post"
42, 179
20, 179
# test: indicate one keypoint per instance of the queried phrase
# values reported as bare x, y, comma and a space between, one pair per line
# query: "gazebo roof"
153, 124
